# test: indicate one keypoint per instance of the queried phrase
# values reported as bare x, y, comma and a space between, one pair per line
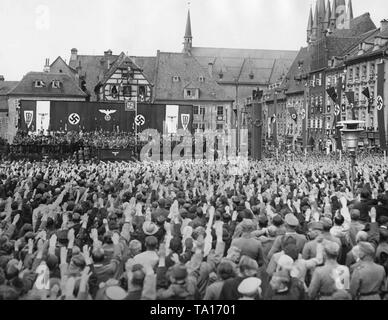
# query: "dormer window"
220, 75
251, 76
39, 84
201, 79
56, 84
176, 79
191, 93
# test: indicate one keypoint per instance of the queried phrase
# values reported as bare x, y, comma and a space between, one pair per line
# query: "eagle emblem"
107, 113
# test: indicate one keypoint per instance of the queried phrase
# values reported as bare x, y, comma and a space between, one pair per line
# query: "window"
219, 126
176, 78
220, 111
220, 75
195, 110
39, 84
114, 91
195, 126
201, 79
142, 93
364, 70
202, 110
251, 75
188, 93
56, 84
357, 72
126, 91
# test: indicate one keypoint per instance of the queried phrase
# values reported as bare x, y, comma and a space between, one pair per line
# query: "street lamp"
351, 130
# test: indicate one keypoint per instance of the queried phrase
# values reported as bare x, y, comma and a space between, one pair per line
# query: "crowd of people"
203, 230
95, 139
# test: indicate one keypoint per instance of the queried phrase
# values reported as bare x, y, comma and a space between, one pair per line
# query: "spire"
188, 27
310, 25
314, 35
321, 10
350, 10
326, 21
333, 17
188, 43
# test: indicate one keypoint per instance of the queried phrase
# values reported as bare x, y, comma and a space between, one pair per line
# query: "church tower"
188, 39
326, 21
349, 13
310, 26
321, 16
333, 17
315, 30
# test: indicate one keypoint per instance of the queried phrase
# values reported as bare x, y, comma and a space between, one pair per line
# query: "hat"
315, 225
179, 272
150, 228
331, 248
277, 220
285, 262
291, 220
249, 286
326, 223
367, 249
272, 231
115, 293
248, 225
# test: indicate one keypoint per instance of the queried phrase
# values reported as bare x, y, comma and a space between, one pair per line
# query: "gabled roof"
93, 68
6, 86
303, 59
189, 70
358, 26
26, 86
130, 62
59, 59
237, 64
147, 65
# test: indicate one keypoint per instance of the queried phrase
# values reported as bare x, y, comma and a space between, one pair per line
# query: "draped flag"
366, 93
28, 115
332, 94
304, 116
293, 113
380, 104
338, 114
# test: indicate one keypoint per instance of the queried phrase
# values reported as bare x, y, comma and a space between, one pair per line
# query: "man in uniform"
291, 223
331, 277
368, 278
323, 228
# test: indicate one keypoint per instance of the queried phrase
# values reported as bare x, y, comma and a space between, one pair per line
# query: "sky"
33, 30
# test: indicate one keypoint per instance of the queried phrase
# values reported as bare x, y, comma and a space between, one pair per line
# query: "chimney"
1, 78
74, 53
47, 66
108, 53
384, 25
210, 69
